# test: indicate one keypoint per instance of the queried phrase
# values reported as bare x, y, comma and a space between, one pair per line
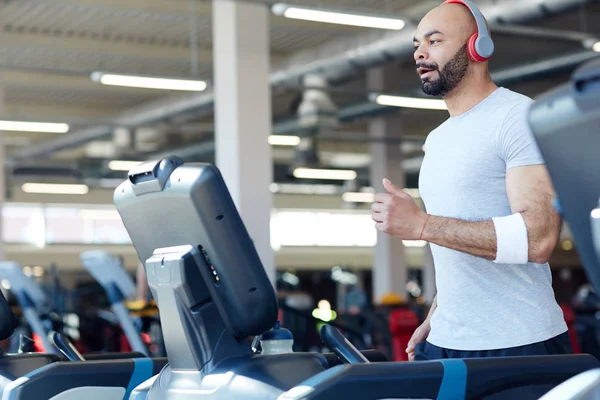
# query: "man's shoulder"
509, 110
514, 95
511, 102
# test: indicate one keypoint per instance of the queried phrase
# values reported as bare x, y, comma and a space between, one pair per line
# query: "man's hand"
422, 332
397, 214
418, 336
529, 191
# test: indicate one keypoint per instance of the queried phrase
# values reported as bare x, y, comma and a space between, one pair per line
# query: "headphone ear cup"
471, 47
473, 50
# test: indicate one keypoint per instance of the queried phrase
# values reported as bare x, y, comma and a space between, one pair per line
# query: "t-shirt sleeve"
517, 143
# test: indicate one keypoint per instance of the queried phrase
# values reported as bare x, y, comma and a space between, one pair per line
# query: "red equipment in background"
403, 322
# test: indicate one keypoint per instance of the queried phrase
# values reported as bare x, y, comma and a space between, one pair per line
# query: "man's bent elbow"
541, 251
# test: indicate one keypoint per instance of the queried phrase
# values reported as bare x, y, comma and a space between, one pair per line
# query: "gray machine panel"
107, 270
566, 125
21, 283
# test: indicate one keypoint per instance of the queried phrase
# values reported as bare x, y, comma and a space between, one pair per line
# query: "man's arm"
530, 193
422, 332
431, 309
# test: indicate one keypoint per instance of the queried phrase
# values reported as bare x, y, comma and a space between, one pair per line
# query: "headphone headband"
483, 48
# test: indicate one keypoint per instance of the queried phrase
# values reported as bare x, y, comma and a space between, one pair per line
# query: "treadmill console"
565, 122
166, 206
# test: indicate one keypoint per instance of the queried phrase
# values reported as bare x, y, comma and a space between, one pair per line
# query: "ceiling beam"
203, 8
98, 46
67, 83
139, 54
156, 6
47, 112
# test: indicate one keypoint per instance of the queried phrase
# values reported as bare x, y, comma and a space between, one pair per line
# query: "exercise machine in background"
33, 302
119, 286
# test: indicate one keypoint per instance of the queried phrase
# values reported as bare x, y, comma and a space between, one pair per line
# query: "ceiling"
49, 48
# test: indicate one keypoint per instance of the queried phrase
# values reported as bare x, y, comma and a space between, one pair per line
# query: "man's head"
441, 52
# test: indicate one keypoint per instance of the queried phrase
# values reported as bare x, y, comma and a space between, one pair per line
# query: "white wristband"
511, 240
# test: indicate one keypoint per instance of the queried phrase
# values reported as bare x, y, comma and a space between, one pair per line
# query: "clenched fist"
397, 214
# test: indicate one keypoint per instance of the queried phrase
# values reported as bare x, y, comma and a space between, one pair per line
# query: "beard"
449, 77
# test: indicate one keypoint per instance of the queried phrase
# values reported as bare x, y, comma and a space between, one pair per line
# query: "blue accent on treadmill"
454, 382
557, 206
12, 393
142, 371
39, 370
113, 293
24, 300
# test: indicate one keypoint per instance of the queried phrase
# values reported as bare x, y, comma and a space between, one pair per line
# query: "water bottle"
278, 340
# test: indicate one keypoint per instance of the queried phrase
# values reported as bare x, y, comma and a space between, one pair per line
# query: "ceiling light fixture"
358, 197
23, 126
284, 140
330, 17
54, 188
148, 82
408, 102
332, 174
122, 165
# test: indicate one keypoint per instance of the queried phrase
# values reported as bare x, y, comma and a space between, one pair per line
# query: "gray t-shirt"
483, 305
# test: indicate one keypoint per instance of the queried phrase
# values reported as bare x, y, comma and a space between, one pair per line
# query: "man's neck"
468, 95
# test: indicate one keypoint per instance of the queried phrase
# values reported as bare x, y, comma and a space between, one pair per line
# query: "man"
490, 220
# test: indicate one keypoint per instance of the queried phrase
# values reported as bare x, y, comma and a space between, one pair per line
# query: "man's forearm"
475, 238
431, 309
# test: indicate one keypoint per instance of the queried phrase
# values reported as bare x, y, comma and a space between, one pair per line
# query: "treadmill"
66, 375
119, 286
214, 296
566, 124
31, 298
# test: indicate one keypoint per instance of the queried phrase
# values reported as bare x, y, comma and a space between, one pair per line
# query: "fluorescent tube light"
414, 243
369, 196
333, 174
148, 82
331, 17
54, 188
358, 197
22, 126
283, 140
409, 102
122, 165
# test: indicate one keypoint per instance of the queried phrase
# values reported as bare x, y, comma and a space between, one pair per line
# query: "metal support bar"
544, 33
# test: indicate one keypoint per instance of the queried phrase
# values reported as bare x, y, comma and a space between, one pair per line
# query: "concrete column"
243, 120
389, 261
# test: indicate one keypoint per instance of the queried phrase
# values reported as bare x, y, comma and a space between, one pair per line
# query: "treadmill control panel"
213, 270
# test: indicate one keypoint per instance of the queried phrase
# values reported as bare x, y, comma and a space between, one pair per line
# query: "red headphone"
480, 45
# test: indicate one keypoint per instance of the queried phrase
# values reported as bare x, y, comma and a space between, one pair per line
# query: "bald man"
489, 220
